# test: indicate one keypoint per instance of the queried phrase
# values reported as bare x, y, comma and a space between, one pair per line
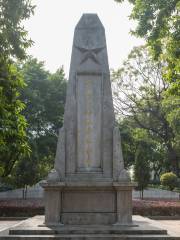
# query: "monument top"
89, 20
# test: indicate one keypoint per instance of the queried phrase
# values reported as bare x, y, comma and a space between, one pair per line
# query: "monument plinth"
88, 184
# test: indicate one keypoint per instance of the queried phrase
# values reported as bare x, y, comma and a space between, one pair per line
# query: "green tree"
13, 44
25, 174
141, 168
159, 23
131, 135
44, 97
128, 141
139, 95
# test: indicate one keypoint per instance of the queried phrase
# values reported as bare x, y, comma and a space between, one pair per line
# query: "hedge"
29, 208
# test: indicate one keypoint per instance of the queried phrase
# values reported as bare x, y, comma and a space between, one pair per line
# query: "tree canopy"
154, 86
13, 45
140, 100
158, 22
44, 97
31, 101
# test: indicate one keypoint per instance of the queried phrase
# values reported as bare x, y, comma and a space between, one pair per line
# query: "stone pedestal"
81, 203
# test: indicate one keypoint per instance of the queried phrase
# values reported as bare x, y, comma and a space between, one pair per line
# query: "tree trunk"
142, 193
173, 159
25, 195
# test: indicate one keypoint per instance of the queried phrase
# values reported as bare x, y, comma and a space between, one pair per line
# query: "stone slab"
88, 218
88, 237
86, 201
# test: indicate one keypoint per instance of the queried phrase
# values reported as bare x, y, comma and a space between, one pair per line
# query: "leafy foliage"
169, 180
159, 23
13, 36
13, 142
25, 173
141, 168
140, 101
44, 97
13, 44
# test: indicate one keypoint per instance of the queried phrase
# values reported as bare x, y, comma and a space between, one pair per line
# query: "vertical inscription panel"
89, 108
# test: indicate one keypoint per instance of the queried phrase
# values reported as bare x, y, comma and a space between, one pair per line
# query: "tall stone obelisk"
88, 184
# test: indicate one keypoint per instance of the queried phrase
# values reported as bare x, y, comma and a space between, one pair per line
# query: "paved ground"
5, 225
173, 226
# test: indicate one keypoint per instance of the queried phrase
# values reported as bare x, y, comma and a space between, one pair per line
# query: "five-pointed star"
89, 53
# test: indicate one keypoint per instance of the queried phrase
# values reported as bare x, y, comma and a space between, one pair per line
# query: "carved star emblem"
89, 53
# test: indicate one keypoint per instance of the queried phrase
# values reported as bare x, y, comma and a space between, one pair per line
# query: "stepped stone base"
142, 228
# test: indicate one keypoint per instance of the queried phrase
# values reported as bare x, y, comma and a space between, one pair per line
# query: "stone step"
89, 237
34, 228
131, 231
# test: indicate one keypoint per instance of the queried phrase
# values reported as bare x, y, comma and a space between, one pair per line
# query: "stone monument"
88, 184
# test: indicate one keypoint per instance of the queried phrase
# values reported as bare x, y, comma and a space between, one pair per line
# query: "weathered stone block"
89, 201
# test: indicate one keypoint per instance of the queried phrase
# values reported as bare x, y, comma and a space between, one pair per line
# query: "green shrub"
169, 180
